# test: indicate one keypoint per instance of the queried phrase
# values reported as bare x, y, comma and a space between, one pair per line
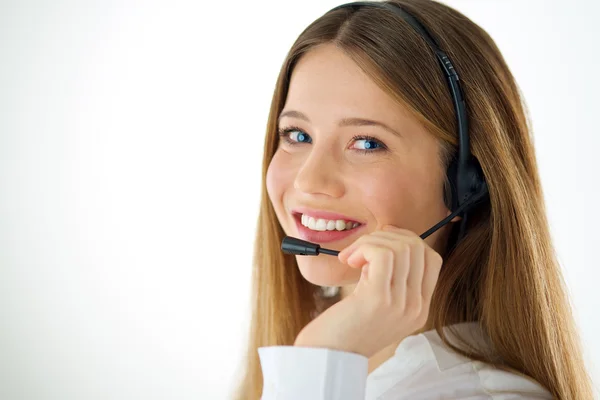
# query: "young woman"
364, 133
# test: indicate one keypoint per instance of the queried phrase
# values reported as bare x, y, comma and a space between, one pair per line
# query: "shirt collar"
444, 355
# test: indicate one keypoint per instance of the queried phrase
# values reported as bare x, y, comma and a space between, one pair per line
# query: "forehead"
326, 80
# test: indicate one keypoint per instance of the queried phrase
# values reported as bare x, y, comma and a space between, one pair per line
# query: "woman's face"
392, 177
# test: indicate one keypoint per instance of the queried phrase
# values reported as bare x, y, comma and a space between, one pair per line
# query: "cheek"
387, 195
279, 180
275, 179
381, 186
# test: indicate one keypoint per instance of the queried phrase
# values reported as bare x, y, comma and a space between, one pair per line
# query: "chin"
325, 270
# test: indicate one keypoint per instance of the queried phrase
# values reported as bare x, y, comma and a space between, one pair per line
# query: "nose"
320, 174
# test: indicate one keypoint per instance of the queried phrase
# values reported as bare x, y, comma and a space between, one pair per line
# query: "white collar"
444, 355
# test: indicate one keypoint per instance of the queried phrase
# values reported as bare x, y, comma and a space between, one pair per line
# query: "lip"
323, 236
323, 214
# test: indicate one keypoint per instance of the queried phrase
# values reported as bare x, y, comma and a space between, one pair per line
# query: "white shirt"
422, 367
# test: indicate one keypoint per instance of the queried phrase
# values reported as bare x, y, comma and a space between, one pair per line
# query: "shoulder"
426, 368
491, 379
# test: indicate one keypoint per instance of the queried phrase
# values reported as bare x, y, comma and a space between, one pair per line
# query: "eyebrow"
343, 122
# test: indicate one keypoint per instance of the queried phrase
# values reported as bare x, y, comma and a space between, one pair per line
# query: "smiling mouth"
324, 225
319, 236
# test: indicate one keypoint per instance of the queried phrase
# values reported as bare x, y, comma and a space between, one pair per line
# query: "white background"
130, 148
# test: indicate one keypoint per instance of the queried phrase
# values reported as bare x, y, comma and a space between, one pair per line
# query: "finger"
433, 263
391, 232
401, 268
414, 280
381, 270
380, 265
395, 232
390, 235
346, 252
370, 238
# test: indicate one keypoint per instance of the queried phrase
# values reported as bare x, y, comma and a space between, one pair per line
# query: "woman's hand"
391, 299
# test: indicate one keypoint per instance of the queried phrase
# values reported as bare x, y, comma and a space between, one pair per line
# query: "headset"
468, 186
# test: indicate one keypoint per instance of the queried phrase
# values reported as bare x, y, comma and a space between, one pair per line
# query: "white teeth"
320, 224
330, 225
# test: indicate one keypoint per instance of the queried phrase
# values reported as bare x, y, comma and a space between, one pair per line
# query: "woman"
361, 133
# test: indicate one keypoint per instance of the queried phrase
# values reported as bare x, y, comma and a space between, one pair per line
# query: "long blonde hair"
504, 273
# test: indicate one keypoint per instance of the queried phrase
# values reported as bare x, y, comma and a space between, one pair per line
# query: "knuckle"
404, 247
413, 308
418, 245
402, 231
409, 233
422, 318
436, 258
359, 241
387, 254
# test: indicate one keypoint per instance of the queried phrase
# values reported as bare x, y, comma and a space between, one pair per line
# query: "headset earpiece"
465, 183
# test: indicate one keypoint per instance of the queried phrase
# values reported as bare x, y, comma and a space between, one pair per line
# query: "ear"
455, 219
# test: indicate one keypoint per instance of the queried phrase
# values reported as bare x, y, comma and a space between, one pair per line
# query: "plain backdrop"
131, 142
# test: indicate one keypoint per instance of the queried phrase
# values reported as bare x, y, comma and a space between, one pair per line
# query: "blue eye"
368, 143
301, 137
293, 136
